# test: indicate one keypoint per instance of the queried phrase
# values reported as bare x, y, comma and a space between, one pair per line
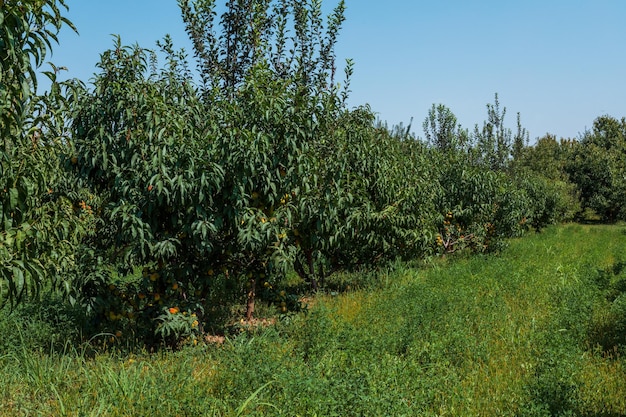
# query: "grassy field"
539, 330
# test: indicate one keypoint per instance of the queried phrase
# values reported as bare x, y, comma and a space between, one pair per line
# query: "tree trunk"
251, 298
309, 260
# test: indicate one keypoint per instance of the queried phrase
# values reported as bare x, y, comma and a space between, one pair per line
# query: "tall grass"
534, 331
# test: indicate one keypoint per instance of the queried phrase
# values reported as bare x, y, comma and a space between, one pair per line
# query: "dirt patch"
214, 339
240, 327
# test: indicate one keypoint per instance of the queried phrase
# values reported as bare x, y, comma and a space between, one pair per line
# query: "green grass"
539, 330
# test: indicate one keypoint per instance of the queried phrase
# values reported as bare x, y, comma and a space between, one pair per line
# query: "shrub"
49, 323
553, 201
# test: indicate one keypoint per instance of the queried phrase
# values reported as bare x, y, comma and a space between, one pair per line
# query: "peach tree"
368, 201
143, 146
596, 165
40, 219
197, 185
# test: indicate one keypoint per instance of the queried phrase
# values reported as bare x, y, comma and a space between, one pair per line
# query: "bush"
553, 201
49, 323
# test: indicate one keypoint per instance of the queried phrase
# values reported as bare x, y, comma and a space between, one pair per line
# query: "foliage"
40, 220
494, 336
167, 207
548, 157
553, 200
48, 324
28, 27
442, 131
540, 170
143, 147
597, 167
493, 142
197, 186
251, 32
359, 210
478, 207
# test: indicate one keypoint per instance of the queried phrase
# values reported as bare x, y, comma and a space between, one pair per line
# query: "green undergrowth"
539, 330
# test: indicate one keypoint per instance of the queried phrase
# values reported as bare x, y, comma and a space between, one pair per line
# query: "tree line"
165, 193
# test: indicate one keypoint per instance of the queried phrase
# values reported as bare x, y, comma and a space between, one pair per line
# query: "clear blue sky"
560, 63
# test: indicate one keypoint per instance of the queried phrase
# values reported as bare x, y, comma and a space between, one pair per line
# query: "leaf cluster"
39, 223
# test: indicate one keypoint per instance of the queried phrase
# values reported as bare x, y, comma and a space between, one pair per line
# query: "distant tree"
520, 140
441, 129
398, 131
547, 157
598, 167
493, 142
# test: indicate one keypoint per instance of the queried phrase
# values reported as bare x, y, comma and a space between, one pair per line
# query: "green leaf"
13, 198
